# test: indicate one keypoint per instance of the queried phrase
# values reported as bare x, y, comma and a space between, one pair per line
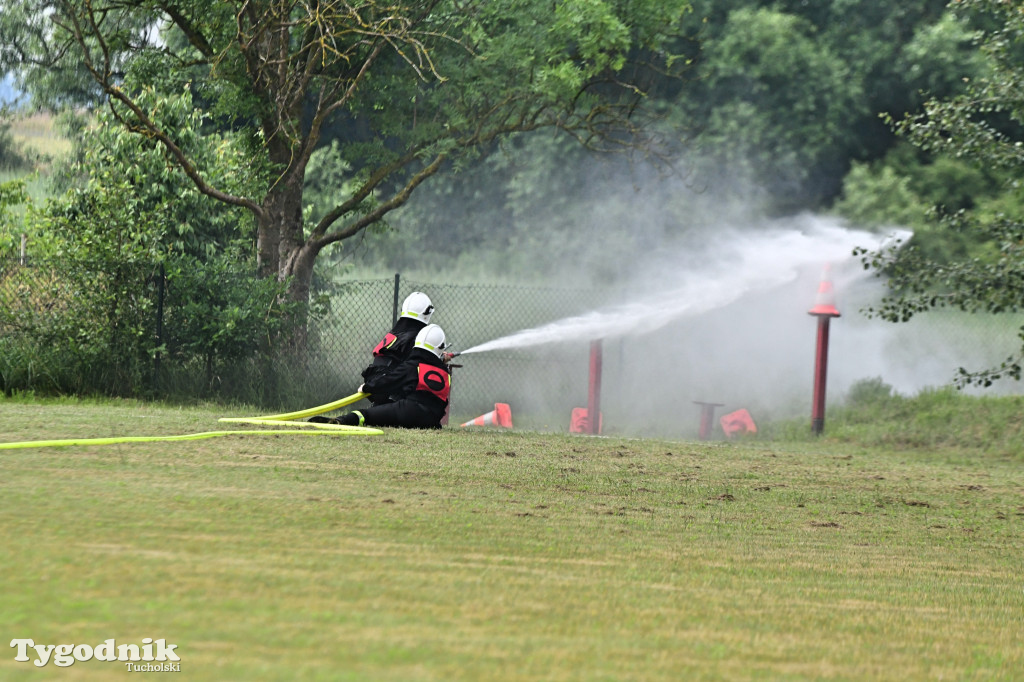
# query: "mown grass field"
506, 555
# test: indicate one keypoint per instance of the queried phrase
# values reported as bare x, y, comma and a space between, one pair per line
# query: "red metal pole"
820, 373
824, 309
594, 391
707, 418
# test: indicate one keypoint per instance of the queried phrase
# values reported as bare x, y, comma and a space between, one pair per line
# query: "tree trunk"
282, 251
298, 264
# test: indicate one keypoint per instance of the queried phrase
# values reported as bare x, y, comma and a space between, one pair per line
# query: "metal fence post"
594, 388
159, 327
394, 306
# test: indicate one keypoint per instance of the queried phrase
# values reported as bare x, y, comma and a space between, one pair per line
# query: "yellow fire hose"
288, 416
310, 429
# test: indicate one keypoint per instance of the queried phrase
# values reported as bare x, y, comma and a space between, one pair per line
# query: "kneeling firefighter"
417, 387
396, 345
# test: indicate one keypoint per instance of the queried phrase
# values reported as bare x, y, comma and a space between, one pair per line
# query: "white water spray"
733, 265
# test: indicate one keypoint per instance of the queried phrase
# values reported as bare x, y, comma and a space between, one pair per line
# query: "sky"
7, 91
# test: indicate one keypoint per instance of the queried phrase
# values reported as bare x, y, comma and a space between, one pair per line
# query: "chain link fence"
655, 381
758, 356
362, 311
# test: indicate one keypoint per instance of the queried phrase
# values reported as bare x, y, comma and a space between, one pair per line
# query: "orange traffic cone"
825, 303
501, 416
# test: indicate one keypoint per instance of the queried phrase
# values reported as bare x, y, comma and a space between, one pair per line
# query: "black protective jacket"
419, 388
392, 350
397, 343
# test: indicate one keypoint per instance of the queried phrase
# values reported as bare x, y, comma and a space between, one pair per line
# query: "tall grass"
943, 418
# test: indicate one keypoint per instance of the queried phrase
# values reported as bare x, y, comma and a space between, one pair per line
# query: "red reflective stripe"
434, 380
388, 341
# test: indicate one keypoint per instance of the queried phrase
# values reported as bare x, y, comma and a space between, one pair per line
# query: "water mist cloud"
727, 266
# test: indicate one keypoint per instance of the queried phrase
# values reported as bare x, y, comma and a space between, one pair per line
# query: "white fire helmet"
431, 338
417, 305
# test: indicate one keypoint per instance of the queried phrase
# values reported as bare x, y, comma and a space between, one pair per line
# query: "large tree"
407, 87
985, 126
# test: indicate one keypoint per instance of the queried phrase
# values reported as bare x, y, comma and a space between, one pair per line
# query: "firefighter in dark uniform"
397, 343
418, 388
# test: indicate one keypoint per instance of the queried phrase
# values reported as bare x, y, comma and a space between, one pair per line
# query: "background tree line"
786, 107
503, 140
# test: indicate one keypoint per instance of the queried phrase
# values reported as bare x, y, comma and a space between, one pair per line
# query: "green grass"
506, 555
934, 419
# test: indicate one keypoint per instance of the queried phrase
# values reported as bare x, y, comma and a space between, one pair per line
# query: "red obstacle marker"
738, 422
580, 421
